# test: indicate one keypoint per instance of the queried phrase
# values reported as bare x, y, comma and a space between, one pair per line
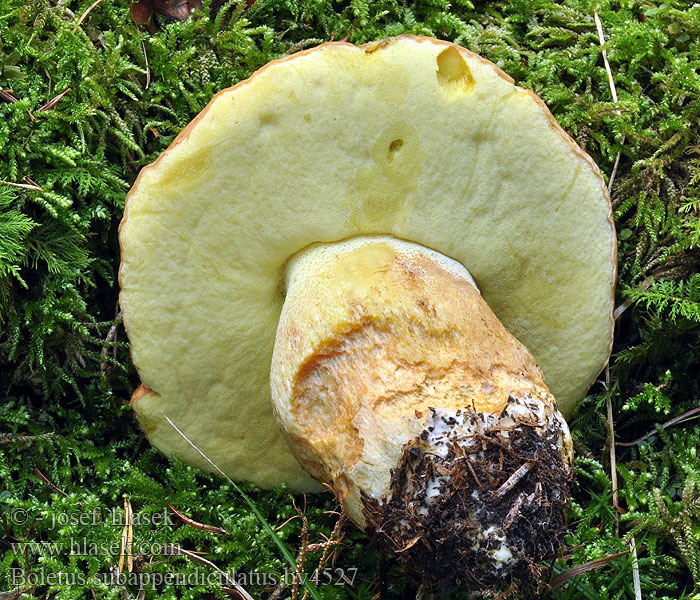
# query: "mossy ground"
69, 446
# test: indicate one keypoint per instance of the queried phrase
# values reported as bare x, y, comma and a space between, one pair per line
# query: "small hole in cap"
394, 147
453, 72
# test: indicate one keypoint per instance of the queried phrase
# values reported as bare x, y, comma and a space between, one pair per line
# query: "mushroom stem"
395, 383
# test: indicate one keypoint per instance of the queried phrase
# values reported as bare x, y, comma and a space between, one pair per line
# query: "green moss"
65, 380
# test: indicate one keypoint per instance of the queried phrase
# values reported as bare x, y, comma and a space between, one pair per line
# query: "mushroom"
349, 269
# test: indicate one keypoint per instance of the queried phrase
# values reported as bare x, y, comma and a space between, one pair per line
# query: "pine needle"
51, 103
85, 14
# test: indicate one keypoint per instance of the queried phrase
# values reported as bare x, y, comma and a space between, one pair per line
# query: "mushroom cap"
411, 137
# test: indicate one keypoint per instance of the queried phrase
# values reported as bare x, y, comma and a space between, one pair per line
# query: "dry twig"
517, 475
301, 556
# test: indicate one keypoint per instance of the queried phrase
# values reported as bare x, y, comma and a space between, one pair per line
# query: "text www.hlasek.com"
83, 547
117, 549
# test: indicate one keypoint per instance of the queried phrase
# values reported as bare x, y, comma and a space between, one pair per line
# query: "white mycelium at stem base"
396, 384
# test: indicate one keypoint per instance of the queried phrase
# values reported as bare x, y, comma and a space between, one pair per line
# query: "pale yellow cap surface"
410, 137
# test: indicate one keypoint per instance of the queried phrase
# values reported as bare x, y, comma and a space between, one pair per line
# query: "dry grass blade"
601, 37
627, 303
268, 528
127, 539
173, 550
410, 544
589, 566
24, 186
611, 83
689, 415
148, 67
636, 581
613, 466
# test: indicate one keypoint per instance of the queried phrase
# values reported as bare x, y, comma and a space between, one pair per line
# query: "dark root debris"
484, 515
